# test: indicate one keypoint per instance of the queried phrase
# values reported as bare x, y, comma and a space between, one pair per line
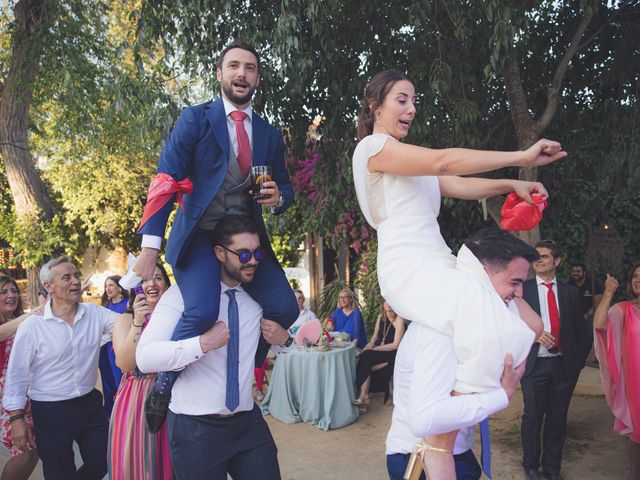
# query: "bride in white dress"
399, 187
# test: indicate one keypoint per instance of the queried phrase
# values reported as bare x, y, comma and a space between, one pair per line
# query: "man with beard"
214, 426
211, 150
590, 289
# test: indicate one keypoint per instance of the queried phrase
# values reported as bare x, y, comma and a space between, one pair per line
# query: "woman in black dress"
380, 351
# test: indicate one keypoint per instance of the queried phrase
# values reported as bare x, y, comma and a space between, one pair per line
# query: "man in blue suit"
214, 145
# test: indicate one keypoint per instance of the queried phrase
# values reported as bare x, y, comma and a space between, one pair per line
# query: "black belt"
222, 416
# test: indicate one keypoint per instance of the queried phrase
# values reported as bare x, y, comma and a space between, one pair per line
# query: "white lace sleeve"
374, 144
368, 185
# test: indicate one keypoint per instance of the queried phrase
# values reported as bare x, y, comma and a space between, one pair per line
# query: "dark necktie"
554, 315
244, 147
233, 354
485, 441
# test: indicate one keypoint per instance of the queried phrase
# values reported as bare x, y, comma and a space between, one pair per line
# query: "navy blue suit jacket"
198, 148
574, 335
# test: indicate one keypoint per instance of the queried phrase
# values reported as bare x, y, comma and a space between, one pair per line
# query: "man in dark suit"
553, 365
214, 146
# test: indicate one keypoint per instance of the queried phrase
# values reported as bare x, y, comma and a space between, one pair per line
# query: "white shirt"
544, 311
202, 385
305, 316
51, 360
423, 378
154, 241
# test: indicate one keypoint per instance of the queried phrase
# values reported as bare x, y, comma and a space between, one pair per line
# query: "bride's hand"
524, 190
542, 153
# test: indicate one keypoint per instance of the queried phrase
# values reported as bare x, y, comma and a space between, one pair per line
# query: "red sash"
161, 189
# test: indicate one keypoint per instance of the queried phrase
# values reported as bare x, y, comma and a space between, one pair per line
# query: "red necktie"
244, 147
554, 316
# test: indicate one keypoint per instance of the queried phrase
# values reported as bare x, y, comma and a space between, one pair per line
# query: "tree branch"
553, 93
604, 25
520, 115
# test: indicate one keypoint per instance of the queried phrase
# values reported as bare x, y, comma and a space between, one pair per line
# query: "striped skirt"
134, 453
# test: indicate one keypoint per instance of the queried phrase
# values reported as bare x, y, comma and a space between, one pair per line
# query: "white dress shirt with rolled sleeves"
52, 360
201, 387
423, 379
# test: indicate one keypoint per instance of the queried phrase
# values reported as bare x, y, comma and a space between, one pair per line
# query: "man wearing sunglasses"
214, 426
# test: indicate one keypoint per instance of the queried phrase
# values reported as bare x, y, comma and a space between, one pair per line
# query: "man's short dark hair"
232, 225
552, 246
498, 248
575, 263
241, 46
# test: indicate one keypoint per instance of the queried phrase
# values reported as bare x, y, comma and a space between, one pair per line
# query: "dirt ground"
356, 452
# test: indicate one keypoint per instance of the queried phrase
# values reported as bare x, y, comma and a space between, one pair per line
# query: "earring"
377, 121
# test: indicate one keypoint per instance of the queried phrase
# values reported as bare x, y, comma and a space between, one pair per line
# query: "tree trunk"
31, 200
528, 129
524, 125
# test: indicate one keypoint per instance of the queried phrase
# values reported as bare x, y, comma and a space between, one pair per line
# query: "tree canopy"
495, 74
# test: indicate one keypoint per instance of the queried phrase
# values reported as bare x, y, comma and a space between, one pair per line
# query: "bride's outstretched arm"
471, 188
404, 159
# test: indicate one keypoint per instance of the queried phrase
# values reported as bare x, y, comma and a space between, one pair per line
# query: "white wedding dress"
422, 282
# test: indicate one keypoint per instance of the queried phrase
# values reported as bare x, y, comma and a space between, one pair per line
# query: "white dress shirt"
544, 311
202, 385
423, 378
52, 360
305, 316
154, 241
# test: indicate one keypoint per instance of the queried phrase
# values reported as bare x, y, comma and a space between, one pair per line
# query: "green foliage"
284, 241
96, 123
367, 283
327, 300
113, 74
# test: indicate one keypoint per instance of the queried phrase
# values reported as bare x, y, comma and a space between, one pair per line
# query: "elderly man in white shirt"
214, 426
305, 316
425, 368
54, 362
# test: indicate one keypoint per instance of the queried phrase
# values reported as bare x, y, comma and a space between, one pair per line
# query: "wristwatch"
280, 201
287, 343
277, 205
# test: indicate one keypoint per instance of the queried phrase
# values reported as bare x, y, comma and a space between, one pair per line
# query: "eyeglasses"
245, 255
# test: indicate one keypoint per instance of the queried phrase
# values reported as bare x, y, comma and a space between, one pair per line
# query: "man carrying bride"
399, 187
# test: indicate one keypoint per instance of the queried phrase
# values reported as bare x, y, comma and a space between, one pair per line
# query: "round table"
314, 387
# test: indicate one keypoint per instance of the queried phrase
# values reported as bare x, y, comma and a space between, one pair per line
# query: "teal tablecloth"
313, 387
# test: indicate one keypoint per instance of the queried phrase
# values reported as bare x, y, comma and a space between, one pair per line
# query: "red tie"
244, 147
554, 316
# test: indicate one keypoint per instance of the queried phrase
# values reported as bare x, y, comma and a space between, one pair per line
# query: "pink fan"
309, 330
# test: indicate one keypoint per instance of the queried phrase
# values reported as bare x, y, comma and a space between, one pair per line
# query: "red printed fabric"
518, 215
161, 189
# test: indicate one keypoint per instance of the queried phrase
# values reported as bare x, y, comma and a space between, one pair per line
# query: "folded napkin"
518, 215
